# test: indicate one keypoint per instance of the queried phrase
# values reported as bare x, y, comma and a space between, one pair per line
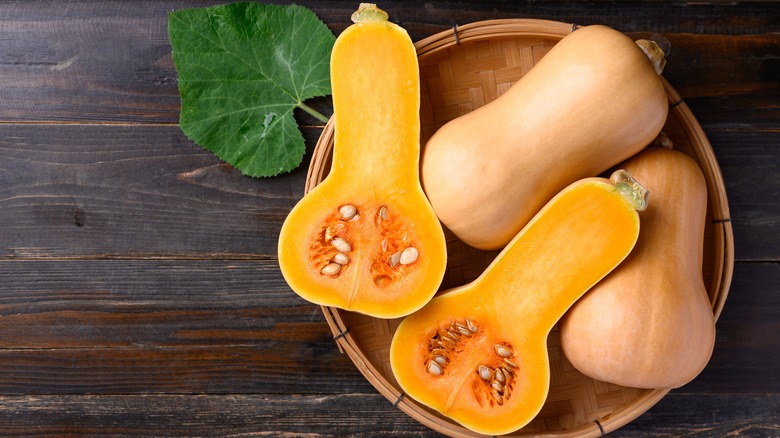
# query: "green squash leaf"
243, 68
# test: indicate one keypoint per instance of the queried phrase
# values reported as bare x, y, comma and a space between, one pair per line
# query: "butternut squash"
650, 324
478, 353
591, 102
366, 239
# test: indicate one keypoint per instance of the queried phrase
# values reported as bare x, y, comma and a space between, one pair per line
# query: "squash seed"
434, 368
341, 245
331, 269
395, 259
409, 256
471, 326
498, 397
441, 360
497, 386
341, 259
502, 350
485, 373
465, 331
347, 211
383, 213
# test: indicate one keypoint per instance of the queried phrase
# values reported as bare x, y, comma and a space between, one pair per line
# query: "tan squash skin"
573, 242
650, 324
593, 101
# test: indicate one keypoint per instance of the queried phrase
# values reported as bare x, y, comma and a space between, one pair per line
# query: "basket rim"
519, 27
497, 28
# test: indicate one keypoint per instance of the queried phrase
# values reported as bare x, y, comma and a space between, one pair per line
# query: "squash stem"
313, 112
654, 54
630, 189
368, 12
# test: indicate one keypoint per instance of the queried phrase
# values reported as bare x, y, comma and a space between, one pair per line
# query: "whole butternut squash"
591, 102
478, 353
649, 324
366, 239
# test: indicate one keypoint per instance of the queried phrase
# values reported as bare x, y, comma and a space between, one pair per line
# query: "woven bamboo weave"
462, 69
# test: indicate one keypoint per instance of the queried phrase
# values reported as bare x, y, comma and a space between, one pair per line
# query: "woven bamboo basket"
462, 69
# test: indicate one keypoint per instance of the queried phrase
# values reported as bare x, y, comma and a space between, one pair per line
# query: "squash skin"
376, 98
591, 102
575, 240
650, 323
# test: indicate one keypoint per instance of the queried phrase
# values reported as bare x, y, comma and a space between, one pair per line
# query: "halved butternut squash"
478, 353
366, 239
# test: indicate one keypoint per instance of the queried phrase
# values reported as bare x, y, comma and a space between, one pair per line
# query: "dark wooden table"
139, 286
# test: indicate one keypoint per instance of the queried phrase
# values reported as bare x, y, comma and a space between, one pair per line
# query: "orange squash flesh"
573, 242
375, 169
376, 102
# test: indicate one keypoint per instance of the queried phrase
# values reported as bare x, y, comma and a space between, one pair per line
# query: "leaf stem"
313, 112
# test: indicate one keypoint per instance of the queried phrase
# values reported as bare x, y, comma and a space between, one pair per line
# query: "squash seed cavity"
386, 241
494, 376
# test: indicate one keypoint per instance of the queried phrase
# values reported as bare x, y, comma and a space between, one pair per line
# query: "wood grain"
328, 415
746, 341
132, 191
111, 60
50, 304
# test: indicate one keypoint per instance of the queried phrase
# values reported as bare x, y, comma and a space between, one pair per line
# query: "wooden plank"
750, 165
60, 304
138, 191
746, 342
99, 304
87, 61
268, 367
230, 415
112, 59
332, 415
724, 65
